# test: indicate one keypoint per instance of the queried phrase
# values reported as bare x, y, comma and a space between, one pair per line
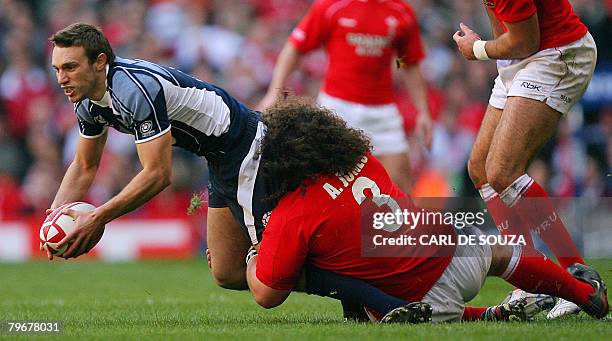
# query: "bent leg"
505, 219
480, 149
533, 272
228, 246
525, 126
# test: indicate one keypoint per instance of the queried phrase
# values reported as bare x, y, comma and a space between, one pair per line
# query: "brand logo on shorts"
531, 86
565, 99
146, 127
489, 3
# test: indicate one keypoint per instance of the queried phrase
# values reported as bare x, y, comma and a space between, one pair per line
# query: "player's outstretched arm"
156, 159
287, 62
521, 40
81, 172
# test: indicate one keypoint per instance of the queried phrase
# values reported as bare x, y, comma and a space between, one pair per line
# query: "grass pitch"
179, 301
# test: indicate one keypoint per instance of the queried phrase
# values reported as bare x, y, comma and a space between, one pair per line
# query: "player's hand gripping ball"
58, 225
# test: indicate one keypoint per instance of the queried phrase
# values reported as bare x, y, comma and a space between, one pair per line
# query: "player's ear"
101, 61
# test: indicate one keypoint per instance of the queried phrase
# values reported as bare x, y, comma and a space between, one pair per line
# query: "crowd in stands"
234, 44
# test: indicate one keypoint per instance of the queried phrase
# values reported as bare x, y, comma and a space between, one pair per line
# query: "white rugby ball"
58, 225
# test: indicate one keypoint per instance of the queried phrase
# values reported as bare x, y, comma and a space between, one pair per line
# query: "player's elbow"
163, 178
267, 301
530, 47
267, 297
526, 46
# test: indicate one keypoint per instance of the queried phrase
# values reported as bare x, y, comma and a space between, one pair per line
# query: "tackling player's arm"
156, 158
275, 271
521, 40
264, 295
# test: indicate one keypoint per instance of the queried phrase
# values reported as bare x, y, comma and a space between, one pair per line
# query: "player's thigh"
480, 149
461, 280
228, 246
525, 125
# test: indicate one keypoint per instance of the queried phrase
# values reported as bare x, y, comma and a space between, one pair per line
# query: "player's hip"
461, 281
557, 76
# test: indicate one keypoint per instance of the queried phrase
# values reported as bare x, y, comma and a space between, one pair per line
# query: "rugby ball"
58, 225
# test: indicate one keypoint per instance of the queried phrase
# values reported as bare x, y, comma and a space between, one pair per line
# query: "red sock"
535, 208
472, 313
505, 218
533, 272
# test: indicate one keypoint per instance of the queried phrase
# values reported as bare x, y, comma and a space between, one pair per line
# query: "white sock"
487, 192
514, 192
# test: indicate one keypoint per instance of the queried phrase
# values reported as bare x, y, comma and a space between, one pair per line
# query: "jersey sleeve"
141, 97
88, 127
410, 48
312, 29
514, 10
282, 253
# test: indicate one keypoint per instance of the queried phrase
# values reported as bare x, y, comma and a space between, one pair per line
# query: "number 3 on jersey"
359, 187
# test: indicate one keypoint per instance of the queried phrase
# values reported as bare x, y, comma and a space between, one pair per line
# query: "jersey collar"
106, 99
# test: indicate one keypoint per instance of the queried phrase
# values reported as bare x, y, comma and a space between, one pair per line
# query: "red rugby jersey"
323, 225
361, 37
559, 25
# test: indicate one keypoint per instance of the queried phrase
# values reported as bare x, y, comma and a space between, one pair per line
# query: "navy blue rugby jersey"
146, 100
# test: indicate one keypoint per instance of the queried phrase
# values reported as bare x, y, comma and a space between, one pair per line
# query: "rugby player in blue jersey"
164, 107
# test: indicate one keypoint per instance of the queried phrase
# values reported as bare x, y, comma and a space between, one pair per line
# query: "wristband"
250, 254
479, 50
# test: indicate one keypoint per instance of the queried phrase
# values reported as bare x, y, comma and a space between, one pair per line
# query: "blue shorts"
236, 181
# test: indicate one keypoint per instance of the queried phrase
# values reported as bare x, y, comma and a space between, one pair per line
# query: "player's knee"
476, 170
234, 280
499, 176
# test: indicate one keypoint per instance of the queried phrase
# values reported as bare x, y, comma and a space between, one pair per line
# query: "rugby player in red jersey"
545, 59
362, 38
324, 172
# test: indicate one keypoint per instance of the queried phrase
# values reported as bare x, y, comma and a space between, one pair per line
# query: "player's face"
75, 73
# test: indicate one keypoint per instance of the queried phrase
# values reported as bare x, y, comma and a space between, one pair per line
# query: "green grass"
178, 300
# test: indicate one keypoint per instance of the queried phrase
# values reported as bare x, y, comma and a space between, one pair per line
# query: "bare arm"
496, 25
156, 159
81, 172
287, 62
416, 85
263, 294
521, 40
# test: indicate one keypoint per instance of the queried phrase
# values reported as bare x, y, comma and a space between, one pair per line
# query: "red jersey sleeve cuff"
299, 45
275, 284
411, 60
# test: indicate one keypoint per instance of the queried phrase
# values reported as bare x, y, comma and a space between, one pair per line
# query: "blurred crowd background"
234, 44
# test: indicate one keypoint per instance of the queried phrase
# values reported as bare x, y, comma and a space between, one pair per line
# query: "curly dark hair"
305, 140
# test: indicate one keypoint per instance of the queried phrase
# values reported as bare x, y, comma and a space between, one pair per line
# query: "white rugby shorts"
557, 76
383, 124
461, 281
